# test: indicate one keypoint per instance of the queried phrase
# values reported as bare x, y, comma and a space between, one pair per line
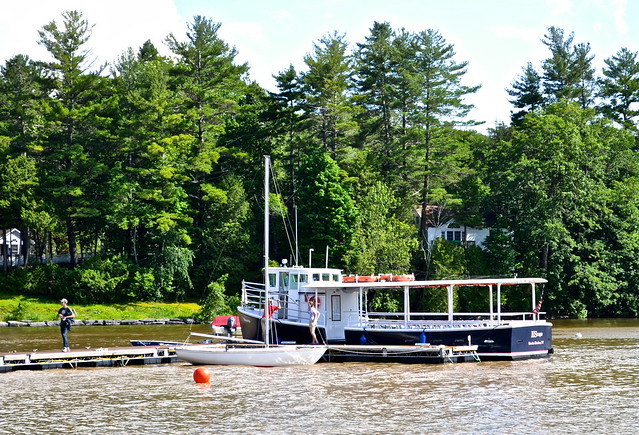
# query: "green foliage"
386, 302
327, 211
382, 242
620, 88
172, 271
447, 261
152, 171
20, 312
501, 253
214, 302
561, 169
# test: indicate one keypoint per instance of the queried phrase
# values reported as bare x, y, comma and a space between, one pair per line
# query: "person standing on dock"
65, 314
314, 317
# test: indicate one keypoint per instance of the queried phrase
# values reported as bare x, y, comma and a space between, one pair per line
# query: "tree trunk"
25, 240
73, 254
4, 250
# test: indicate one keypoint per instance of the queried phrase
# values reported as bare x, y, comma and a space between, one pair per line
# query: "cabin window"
271, 279
283, 280
316, 277
294, 279
336, 308
303, 278
336, 277
326, 277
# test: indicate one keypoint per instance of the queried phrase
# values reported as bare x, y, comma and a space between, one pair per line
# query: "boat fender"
422, 337
362, 339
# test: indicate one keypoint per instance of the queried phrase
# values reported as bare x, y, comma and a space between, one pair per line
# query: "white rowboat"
272, 356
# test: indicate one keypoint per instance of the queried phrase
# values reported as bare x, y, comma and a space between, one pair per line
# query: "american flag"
541, 299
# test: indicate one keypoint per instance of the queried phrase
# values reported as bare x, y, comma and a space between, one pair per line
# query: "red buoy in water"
201, 375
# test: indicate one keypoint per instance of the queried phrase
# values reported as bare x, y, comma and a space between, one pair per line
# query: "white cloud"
560, 7
516, 32
118, 24
619, 14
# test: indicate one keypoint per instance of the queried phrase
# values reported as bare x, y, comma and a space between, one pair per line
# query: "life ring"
404, 277
317, 301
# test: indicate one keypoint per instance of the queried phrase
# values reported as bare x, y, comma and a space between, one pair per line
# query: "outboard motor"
230, 325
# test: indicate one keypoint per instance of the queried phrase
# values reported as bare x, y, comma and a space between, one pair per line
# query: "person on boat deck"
65, 314
272, 308
314, 317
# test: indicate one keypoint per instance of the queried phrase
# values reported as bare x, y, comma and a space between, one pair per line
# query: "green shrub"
214, 302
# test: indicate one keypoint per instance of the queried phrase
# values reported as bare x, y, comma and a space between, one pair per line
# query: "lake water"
590, 385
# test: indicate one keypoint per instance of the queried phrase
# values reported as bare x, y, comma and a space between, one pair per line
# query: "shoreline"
110, 322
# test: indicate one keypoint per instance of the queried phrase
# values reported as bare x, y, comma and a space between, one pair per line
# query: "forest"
147, 173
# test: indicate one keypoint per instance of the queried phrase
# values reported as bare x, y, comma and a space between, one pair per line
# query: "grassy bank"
14, 307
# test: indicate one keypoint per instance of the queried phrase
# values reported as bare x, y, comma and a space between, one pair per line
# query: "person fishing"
65, 314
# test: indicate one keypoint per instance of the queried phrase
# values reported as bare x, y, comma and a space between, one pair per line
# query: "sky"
496, 37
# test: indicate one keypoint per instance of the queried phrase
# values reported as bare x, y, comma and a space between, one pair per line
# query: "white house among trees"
10, 244
463, 235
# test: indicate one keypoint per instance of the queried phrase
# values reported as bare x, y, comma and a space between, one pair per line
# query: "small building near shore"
10, 246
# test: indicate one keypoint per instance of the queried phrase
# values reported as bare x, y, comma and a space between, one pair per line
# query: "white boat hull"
272, 356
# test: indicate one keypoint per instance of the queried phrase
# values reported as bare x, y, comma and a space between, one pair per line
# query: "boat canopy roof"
484, 282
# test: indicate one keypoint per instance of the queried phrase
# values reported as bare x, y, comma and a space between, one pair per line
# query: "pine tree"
325, 86
620, 88
527, 93
73, 175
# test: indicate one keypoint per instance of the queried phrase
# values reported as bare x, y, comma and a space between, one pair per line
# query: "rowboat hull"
259, 356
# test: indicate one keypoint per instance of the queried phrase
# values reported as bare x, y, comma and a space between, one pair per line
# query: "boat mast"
267, 164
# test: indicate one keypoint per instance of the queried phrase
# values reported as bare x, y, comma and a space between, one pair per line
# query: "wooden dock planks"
101, 357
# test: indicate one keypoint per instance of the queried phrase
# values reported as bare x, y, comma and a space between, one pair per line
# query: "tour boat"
253, 352
346, 318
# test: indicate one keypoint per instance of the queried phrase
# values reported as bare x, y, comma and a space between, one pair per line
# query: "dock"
421, 353
101, 357
165, 354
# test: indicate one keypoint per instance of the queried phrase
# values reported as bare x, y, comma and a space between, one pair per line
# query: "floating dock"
417, 354
101, 357
165, 354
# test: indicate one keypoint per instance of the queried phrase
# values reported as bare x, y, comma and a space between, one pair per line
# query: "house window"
455, 236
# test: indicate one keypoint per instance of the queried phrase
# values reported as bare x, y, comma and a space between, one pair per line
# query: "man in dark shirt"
65, 314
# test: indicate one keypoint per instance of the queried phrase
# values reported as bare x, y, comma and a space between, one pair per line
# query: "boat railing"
427, 320
290, 308
252, 294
